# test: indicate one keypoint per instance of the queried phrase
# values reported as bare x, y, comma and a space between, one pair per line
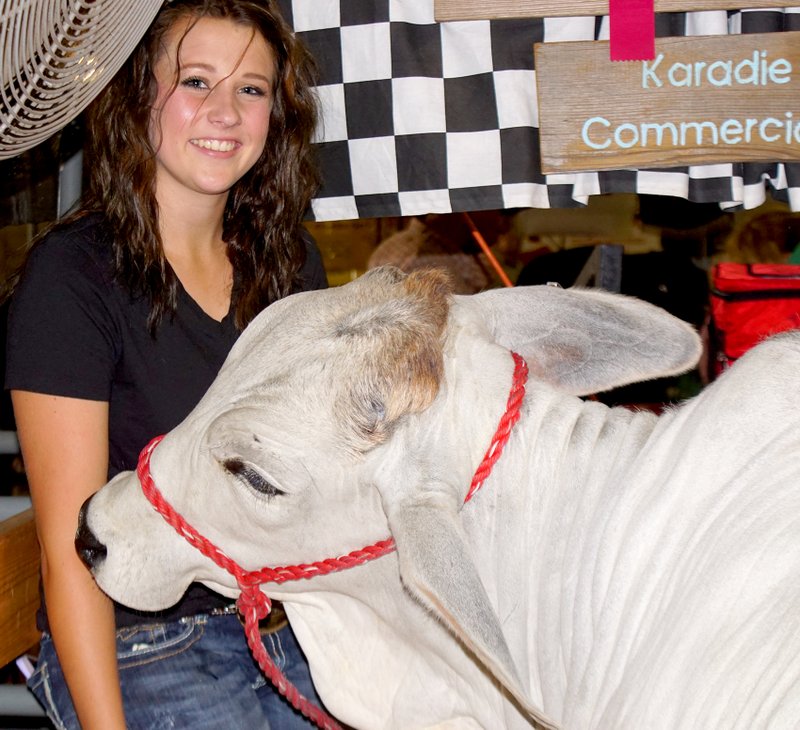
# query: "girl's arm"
64, 444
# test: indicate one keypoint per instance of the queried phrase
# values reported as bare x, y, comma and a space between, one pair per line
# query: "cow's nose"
89, 548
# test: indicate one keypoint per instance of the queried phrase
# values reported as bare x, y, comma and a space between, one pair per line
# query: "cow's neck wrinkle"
570, 453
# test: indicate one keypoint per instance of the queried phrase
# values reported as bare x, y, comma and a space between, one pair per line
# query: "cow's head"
345, 415
272, 450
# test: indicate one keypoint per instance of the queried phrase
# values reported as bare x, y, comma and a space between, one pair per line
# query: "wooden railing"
19, 586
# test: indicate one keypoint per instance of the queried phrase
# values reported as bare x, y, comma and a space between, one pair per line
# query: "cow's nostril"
90, 550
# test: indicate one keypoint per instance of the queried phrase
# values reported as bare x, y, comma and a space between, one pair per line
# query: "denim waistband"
275, 621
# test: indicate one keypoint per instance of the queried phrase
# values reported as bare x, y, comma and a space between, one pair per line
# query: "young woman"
200, 175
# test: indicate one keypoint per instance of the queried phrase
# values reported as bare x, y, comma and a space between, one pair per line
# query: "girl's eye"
194, 83
253, 91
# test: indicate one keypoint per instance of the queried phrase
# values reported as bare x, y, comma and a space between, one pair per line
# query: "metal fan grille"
56, 56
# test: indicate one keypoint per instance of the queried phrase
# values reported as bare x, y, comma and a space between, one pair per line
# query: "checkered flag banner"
424, 117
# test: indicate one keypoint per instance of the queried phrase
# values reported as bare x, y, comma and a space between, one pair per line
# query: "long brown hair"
263, 215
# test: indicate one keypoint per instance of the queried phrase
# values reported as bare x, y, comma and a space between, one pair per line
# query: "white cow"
617, 570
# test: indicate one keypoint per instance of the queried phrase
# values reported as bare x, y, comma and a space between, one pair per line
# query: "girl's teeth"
214, 144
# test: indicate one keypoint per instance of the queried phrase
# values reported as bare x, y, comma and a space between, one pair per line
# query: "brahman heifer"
616, 570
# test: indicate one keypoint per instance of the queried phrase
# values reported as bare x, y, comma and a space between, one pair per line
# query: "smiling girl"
199, 178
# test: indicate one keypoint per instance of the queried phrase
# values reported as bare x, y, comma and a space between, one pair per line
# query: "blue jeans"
193, 673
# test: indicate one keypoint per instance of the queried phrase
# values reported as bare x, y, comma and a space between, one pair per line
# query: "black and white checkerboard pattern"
425, 117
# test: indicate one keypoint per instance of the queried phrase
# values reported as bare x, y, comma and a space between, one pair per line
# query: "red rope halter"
255, 605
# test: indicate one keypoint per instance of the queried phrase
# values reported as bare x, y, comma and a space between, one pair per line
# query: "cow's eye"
252, 478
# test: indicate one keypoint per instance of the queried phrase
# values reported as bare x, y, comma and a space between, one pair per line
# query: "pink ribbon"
632, 30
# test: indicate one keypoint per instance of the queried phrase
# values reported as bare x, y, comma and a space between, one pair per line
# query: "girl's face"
211, 127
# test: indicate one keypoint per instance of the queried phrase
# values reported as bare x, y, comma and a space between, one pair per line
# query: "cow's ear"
586, 340
436, 566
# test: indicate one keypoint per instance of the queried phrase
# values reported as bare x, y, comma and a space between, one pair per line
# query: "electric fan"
56, 56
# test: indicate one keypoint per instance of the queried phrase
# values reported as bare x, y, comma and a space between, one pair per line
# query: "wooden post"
19, 586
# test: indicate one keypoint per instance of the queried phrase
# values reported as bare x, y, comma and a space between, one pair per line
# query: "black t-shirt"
74, 331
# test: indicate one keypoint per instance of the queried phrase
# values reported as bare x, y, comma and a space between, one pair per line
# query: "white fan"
56, 56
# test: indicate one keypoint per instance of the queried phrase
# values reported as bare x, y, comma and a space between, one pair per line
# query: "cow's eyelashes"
251, 477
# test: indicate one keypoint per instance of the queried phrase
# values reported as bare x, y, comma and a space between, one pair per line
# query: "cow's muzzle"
90, 550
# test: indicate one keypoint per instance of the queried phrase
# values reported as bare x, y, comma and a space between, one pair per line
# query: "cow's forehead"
356, 319
279, 339
346, 359
313, 315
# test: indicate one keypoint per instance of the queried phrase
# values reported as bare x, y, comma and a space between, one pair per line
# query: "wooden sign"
703, 99
445, 10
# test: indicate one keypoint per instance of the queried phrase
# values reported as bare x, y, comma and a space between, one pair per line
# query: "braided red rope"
254, 605
507, 422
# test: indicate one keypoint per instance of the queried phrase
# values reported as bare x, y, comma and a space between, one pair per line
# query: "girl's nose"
223, 106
